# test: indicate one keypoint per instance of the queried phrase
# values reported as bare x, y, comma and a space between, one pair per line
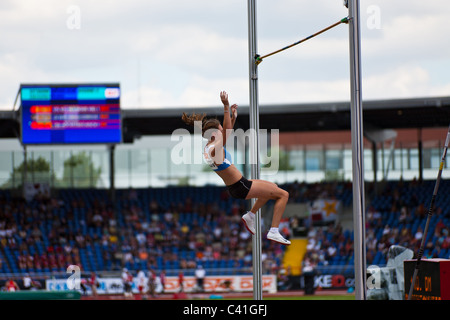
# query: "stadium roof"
383, 114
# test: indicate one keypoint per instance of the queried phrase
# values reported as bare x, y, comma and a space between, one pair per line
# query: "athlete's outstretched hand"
234, 111
224, 98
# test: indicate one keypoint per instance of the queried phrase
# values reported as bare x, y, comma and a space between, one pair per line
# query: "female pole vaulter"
219, 159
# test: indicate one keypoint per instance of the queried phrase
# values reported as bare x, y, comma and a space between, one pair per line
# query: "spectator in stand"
11, 286
181, 281
141, 281
308, 271
93, 282
200, 278
162, 279
213, 234
83, 286
27, 282
152, 282
22, 262
127, 280
283, 281
419, 234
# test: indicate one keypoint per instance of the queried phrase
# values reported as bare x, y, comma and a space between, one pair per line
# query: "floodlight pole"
254, 145
357, 151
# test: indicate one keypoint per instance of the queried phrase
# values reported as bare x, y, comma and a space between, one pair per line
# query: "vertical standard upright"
254, 144
357, 151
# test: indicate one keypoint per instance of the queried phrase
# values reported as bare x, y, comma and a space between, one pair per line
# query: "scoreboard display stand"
432, 282
70, 114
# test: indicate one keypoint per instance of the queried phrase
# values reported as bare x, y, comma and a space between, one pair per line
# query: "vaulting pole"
254, 145
357, 151
430, 213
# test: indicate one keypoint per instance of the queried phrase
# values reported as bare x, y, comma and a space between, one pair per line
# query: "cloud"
197, 48
198, 92
304, 91
408, 37
402, 82
190, 50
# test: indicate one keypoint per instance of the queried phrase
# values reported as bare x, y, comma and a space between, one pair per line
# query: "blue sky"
176, 53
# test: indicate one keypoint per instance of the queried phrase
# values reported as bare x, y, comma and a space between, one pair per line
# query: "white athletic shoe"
249, 222
277, 237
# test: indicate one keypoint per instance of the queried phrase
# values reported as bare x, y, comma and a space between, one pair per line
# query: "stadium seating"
171, 228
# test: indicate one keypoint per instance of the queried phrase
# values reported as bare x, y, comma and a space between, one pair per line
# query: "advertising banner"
325, 210
211, 284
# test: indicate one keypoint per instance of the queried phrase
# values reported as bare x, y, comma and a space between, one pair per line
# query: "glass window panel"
122, 177
313, 158
333, 159
405, 159
18, 164
435, 158
6, 165
397, 160
61, 168
80, 165
139, 168
348, 160
100, 161
414, 158
179, 171
368, 160
159, 167
42, 167
426, 157
296, 159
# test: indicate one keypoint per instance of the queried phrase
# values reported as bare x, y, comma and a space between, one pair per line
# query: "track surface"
230, 295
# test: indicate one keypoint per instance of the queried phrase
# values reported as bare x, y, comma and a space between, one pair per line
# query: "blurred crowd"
397, 219
47, 237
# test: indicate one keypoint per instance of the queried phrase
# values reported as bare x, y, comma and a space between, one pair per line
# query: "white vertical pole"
254, 145
357, 151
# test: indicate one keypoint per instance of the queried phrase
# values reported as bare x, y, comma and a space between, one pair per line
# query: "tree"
38, 170
79, 171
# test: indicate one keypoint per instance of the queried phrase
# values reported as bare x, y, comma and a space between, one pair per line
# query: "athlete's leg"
258, 204
249, 217
263, 191
266, 190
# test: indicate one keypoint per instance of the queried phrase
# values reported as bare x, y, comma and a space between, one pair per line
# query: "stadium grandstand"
107, 208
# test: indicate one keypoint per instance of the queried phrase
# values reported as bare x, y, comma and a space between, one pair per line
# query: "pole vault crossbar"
357, 140
259, 59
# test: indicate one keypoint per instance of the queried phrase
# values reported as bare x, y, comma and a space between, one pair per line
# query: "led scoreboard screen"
70, 114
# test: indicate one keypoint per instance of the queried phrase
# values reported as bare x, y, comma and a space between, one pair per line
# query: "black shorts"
127, 287
240, 189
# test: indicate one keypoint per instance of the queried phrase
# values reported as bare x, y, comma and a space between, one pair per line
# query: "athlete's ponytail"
201, 121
